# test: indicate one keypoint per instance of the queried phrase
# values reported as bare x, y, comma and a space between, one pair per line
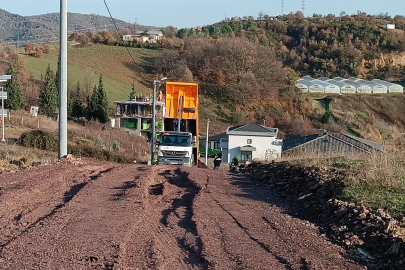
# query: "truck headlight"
188, 154
160, 154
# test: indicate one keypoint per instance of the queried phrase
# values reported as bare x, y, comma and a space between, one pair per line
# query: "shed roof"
331, 142
252, 129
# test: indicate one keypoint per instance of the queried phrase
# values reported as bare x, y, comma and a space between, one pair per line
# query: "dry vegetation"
91, 140
378, 180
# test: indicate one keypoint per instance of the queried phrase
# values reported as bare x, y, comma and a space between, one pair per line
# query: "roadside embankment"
374, 235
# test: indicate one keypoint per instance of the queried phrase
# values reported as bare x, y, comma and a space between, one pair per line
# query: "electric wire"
118, 31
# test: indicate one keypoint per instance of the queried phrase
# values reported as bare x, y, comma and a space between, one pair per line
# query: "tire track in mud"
257, 241
184, 205
246, 230
67, 197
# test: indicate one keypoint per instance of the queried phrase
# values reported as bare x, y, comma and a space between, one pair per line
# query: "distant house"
152, 36
250, 142
330, 144
389, 26
128, 37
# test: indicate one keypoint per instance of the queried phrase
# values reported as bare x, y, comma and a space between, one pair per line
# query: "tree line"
317, 46
97, 104
95, 109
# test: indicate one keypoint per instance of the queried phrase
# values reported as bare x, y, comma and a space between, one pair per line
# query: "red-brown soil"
110, 216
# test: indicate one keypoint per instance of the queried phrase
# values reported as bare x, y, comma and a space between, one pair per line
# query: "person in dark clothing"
217, 163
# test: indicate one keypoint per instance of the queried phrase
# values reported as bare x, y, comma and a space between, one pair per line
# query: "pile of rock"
375, 236
71, 159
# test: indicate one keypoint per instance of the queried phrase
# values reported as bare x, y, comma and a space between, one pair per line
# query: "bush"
235, 161
39, 139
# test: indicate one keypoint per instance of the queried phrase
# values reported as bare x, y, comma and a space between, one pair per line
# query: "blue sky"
186, 13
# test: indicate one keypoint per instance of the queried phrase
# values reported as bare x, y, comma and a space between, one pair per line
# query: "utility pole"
152, 153
62, 147
206, 142
282, 7
2, 113
152, 140
304, 5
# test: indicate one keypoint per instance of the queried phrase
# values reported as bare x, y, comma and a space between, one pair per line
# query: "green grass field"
118, 69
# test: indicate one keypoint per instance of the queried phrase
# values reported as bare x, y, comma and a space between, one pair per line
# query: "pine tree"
77, 107
48, 98
92, 104
57, 80
70, 103
12, 87
132, 95
98, 106
102, 108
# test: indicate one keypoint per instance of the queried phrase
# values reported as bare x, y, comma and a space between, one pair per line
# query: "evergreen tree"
132, 95
102, 109
92, 104
12, 87
57, 76
48, 98
57, 81
77, 106
98, 106
70, 102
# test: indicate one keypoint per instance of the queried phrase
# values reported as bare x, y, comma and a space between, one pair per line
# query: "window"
249, 141
246, 155
216, 145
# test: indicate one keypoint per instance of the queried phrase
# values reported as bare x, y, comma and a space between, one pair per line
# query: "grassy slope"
118, 69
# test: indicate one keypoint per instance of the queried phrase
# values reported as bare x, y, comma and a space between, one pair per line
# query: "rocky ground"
94, 215
372, 236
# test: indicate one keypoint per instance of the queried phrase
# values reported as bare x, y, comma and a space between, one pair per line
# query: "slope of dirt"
109, 216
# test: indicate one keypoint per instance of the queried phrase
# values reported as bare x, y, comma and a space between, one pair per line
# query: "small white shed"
389, 26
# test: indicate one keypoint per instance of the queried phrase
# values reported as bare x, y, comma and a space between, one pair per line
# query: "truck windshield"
173, 140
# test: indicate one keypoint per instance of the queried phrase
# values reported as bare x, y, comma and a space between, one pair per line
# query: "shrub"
116, 146
235, 160
39, 139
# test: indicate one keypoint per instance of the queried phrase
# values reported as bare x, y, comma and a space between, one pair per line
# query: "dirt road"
109, 216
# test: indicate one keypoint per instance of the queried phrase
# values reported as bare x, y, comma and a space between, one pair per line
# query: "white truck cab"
176, 148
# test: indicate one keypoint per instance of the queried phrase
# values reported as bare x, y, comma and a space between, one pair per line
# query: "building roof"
151, 32
134, 102
294, 142
331, 142
253, 128
217, 138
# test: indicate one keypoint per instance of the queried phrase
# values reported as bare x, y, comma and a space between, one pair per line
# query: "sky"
186, 13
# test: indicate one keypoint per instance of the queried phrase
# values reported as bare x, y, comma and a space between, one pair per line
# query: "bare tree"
84, 40
170, 32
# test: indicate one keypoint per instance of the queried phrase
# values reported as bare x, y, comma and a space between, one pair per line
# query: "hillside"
247, 71
45, 28
86, 64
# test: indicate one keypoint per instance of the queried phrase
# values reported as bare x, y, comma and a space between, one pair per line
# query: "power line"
118, 31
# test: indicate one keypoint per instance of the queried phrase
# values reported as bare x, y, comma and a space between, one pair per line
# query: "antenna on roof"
304, 5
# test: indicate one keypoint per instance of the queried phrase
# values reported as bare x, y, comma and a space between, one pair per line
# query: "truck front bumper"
168, 161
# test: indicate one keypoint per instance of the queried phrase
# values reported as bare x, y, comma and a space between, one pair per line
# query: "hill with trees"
247, 70
45, 28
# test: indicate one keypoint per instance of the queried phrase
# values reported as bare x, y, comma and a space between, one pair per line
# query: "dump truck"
179, 142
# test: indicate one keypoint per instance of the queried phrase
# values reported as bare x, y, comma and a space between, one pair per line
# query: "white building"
389, 26
251, 142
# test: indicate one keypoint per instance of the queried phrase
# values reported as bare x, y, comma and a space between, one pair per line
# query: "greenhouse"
347, 86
